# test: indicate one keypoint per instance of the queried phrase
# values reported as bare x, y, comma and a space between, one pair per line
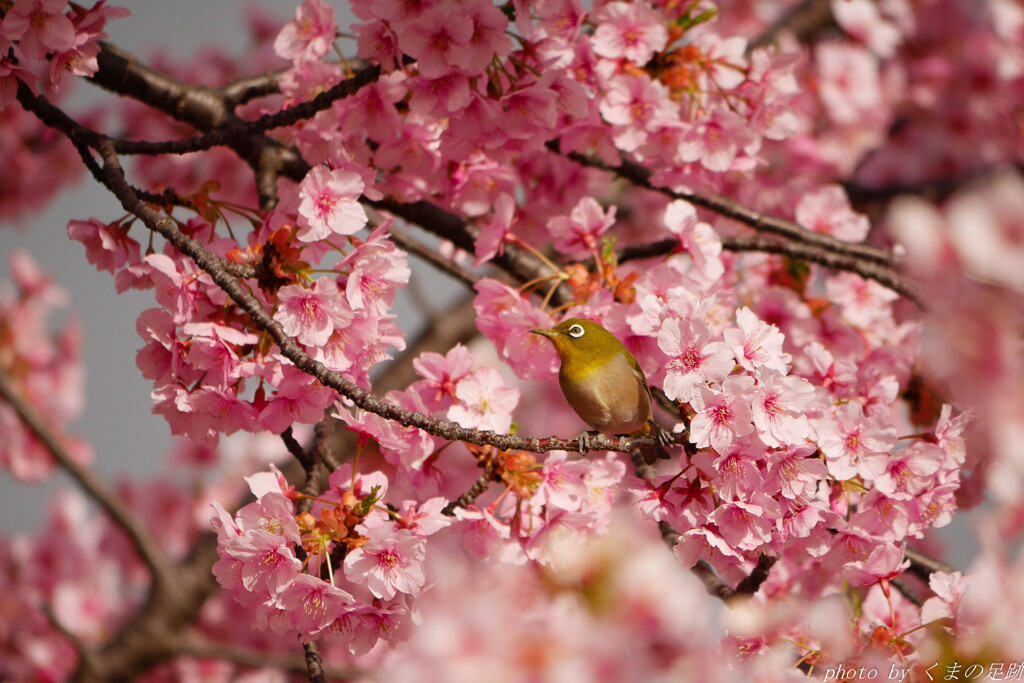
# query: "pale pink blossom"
885, 562
485, 537
756, 343
698, 238
313, 603
389, 562
330, 204
854, 444
849, 82
423, 519
439, 41
746, 525
374, 272
441, 374
863, 20
561, 483
491, 239
638, 106
949, 589
312, 314
717, 141
630, 31
581, 230
310, 33
693, 358
721, 415
795, 471
107, 246
827, 210
484, 402
778, 404
725, 56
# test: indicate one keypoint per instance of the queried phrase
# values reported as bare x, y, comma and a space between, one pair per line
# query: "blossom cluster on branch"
840, 373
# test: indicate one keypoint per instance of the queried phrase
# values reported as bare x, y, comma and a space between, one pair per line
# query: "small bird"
603, 383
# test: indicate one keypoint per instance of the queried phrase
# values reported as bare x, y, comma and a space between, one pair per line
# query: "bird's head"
580, 341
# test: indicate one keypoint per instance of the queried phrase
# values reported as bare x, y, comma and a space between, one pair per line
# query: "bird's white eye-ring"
576, 331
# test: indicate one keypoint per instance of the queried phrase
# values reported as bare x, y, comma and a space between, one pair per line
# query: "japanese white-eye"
602, 381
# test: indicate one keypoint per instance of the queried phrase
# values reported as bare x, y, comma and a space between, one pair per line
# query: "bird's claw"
665, 437
583, 442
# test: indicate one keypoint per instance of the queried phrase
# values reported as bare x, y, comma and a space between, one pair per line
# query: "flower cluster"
43, 367
380, 555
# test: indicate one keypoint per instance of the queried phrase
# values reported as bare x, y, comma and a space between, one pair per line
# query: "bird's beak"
550, 334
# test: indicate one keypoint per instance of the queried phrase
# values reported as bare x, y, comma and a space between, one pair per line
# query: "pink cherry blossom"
484, 402
746, 525
854, 444
637, 106
580, 231
778, 402
756, 343
423, 519
310, 33
107, 247
849, 82
630, 31
439, 40
330, 204
40, 27
390, 562
698, 238
313, 603
491, 240
827, 210
717, 141
693, 358
885, 562
795, 471
721, 415
312, 314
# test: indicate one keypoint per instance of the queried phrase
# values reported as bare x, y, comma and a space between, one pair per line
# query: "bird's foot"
584, 442
665, 437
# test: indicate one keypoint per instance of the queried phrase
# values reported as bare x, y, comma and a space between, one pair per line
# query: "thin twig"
138, 535
723, 206
257, 659
924, 566
796, 250
407, 243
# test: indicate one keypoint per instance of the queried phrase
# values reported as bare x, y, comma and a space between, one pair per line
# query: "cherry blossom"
630, 31
329, 204
312, 314
309, 35
389, 563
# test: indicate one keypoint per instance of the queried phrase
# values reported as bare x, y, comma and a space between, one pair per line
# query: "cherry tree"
803, 219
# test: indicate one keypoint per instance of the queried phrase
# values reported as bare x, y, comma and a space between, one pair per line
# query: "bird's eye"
576, 331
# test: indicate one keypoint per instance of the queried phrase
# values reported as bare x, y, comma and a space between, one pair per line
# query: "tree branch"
160, 567
641, 177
